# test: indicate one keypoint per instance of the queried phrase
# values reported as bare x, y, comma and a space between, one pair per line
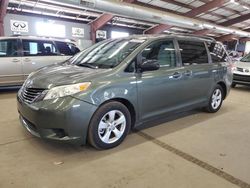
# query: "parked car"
21, 55
241, 71
118, 84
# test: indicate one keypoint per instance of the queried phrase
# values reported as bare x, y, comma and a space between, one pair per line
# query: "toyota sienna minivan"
21, 55
102, 93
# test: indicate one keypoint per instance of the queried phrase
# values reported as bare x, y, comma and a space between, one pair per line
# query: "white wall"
32, 20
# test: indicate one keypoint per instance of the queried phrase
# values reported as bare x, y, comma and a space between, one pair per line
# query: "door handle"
27, 60
15, 60
188, 73
176, 75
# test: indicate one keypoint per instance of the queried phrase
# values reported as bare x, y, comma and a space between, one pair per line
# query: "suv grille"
30, 95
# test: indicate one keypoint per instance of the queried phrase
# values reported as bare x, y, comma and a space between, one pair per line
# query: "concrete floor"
195, 150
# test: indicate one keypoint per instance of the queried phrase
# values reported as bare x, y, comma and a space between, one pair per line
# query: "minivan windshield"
106, 54
246, 58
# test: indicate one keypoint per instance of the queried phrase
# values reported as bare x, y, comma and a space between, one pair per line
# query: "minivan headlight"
66, 90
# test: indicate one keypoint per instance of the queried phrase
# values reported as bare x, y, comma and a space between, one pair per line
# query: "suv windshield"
246, 58
106, 54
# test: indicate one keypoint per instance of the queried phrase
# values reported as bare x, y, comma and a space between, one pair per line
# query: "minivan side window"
8, 48
193, 52
162, 51
38, 48
217, 52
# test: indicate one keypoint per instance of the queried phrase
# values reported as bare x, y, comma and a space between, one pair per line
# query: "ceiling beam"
225, 8
206, 7
236, 20
188, 6
102, 21
192, 13
226, 23
3, 11
99, 23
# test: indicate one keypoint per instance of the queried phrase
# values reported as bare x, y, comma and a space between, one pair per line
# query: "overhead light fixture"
245, 7
233, 1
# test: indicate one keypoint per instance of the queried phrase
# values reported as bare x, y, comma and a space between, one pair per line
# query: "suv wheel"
109, 125
216, 100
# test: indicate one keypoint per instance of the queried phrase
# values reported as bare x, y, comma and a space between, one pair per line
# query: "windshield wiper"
88, 65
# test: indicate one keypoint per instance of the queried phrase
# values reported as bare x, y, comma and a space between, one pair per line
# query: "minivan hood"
56, 75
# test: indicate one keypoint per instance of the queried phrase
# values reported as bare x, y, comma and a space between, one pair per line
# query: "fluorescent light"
233, 1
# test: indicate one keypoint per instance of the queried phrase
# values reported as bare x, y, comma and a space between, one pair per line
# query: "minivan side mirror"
149, 65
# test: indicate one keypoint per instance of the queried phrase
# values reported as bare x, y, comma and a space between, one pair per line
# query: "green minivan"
102, 93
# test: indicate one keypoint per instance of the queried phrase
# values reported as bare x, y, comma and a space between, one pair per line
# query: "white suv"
21, 55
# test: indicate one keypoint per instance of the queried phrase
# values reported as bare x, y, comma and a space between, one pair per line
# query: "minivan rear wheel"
216, 100
109, 125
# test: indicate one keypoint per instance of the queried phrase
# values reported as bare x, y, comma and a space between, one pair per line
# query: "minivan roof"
182, 36
38, 38
142, 37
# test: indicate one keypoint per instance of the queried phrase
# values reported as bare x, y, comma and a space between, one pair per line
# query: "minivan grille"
30, 95
240, 69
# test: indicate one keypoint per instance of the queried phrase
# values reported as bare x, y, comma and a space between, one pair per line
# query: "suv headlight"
66, 90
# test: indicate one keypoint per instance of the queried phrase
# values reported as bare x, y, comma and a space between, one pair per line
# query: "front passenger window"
163, 52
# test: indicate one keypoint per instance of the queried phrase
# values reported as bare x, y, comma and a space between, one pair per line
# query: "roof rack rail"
191, 35
43, 37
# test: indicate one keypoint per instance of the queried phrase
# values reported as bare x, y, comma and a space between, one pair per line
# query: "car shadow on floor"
8, 93
160, 127
242, 88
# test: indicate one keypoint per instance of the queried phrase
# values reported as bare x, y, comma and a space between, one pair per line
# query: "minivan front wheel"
109, 125
216, 100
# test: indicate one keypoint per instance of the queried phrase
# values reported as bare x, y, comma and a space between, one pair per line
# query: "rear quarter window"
217, 52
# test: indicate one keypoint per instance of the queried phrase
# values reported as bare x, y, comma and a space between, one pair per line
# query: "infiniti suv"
102, 93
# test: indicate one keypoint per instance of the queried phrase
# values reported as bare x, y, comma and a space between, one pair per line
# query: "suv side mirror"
149, 65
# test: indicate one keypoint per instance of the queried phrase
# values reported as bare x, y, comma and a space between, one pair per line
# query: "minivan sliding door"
37, 54
10, 63
197, 71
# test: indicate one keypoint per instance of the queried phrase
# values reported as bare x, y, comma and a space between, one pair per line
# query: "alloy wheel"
216, 99
112, 126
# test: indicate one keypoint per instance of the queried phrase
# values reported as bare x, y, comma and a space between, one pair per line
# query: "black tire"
93, 132
233, 85
210, 108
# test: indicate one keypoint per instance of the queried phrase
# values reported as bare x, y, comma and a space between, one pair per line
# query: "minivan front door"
162, 90
10, 63
37, 54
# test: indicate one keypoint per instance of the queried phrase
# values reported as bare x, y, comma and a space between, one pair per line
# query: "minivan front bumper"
63, 119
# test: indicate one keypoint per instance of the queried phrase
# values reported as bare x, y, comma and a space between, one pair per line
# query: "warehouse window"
193, 53
118, 34
50, 29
